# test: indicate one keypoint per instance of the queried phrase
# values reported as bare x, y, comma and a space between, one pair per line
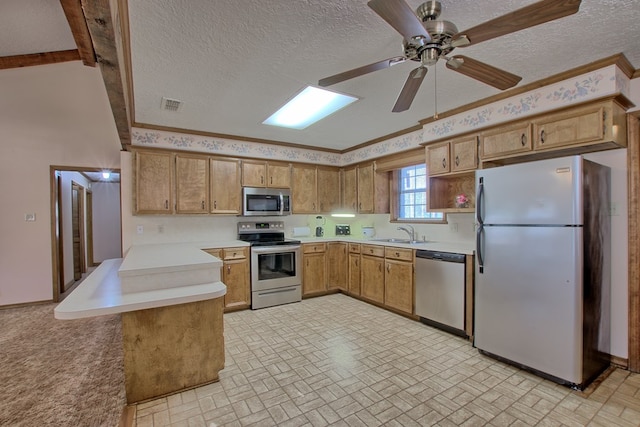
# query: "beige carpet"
59, 372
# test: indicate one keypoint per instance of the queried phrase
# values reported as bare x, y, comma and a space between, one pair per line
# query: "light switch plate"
30, 217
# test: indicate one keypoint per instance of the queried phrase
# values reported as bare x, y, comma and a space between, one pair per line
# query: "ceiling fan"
427, 39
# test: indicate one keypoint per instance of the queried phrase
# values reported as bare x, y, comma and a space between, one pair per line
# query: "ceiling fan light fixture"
309, 106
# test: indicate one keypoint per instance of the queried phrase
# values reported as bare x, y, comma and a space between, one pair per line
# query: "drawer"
312, 248
234, 253
354, 248
402, 254
373, 250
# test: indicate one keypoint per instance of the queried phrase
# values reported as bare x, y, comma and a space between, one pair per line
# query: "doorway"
85, 223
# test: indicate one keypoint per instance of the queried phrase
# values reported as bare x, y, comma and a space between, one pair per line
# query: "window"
412, 194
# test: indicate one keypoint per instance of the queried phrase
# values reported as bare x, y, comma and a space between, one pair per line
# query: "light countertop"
466, 248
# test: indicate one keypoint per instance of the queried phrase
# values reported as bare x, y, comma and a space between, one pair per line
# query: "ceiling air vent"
169, 104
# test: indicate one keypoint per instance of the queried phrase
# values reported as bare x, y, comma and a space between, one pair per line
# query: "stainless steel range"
276, 264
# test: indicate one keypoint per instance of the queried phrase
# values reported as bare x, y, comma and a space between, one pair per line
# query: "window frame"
394, 201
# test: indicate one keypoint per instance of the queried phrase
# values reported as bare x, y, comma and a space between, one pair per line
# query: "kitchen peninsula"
171, 300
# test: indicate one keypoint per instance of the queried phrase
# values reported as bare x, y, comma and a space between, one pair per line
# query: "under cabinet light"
343, 215
309, 106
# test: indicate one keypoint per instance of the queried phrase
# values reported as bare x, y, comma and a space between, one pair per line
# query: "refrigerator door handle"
479, 248
479, 195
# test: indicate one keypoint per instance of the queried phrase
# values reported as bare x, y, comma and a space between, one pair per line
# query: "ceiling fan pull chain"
435, 91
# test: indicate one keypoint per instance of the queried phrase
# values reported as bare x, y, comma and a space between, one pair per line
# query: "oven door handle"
275, 249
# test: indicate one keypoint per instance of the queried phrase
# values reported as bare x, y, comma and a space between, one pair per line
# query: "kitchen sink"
405, 241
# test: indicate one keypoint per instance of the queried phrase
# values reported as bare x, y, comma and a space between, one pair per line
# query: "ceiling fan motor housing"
440, 31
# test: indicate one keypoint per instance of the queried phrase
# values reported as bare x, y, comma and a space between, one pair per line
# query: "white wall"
106, 221
55, 114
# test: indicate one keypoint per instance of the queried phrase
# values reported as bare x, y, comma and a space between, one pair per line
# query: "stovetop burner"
264, 233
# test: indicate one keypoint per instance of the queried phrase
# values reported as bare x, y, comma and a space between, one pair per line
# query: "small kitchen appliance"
343, 230
320, 221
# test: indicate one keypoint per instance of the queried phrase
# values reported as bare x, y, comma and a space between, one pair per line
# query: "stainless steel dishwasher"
440, 290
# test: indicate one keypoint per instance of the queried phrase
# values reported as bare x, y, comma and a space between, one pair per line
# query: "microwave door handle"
281, 204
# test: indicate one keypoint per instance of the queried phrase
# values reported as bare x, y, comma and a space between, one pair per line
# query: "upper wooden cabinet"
373, 190
582, 126
452, 156
225, 190
304, 194
350, 189
315, 189
599, 125
266, 174
192, 184
154, 182
506, 141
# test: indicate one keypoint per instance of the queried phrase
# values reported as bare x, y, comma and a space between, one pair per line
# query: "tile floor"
334, 360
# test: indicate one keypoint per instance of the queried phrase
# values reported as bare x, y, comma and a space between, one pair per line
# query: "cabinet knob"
388, 268
228, 269
271, 180
215, 204
203, 205
356, 262
166, 204
542, 136
261, 179
398, 254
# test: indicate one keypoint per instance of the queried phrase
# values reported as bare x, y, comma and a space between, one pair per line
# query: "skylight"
309, 106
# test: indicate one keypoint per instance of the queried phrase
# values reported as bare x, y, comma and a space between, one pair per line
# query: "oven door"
275, 267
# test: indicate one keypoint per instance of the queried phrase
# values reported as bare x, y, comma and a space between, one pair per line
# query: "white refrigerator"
542, 279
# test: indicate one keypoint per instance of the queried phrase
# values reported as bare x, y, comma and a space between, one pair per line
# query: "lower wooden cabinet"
372, 273
353, 285
398, 279
314, 277
235, 275
337, 265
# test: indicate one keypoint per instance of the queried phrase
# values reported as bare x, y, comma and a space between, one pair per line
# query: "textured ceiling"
234, 62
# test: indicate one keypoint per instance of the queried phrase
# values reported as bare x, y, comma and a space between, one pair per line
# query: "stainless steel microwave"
266, 201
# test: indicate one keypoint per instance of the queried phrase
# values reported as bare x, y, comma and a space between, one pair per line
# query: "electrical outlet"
613, 209
453, 226
140, 229
160, 228
30, 217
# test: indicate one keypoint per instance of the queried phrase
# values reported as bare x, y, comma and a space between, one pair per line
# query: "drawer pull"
457, 161
388, 268
166, 204
523, 139
542, 136
444, 163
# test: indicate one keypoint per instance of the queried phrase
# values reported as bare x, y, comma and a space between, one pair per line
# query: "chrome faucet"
411, 233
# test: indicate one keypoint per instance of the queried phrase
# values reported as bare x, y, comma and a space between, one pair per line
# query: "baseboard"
25, 304
620, 362
128, 416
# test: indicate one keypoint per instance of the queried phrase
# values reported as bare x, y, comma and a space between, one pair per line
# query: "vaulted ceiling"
232, 63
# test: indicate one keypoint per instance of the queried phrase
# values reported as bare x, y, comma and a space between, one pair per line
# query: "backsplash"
590, 86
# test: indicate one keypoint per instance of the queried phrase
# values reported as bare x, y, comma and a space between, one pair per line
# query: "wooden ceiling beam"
75, 17
29, 60
103, 33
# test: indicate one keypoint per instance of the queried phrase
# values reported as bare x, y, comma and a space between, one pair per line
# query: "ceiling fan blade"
410, 89
356, 72
399, 15
483, 72
529, 16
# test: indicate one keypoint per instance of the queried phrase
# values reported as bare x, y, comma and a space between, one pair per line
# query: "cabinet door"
505, 141
584, 125
337, 263
438, 159
372, 278
464, 154
192, 184
303, 194
254, 174
365, 189
236, 277
314, 279
278, 175
350, 189
154, 182
226, 191
398, 281
354, 274
328, 189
